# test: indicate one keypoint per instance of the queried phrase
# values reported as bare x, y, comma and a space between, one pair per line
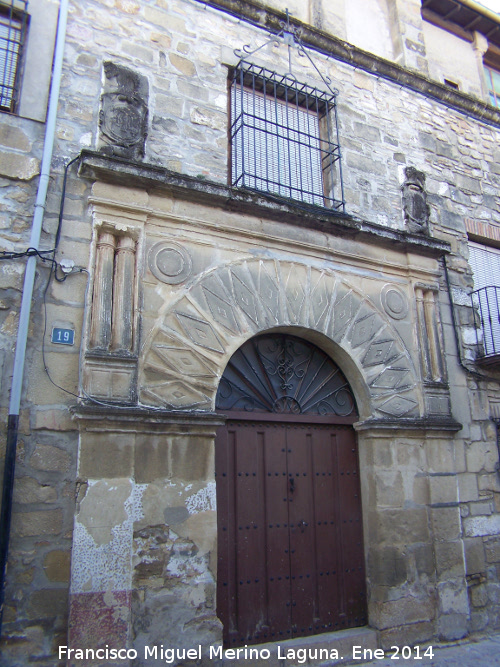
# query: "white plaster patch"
192, 570
203, 500
107, 566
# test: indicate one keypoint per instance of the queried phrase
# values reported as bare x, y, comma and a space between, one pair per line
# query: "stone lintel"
271, 20
93, 417
117, 171
418, 425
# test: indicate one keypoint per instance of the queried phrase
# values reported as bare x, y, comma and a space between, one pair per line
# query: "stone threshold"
307, 650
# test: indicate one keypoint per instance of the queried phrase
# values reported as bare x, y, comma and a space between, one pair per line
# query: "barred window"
13, 23
284, 138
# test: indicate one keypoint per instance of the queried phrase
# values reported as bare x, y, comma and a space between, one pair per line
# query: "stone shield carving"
123, 117
415, 207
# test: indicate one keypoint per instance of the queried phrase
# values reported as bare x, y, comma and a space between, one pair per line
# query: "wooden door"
290, 532
290, 547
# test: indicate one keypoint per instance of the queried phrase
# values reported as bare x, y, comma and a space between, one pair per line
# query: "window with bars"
485, 263
284, 138
13, 25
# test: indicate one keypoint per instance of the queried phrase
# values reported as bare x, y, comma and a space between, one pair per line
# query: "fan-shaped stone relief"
188, 349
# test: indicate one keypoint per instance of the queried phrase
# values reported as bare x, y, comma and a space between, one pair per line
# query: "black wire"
30, 252
63, 198
45, 367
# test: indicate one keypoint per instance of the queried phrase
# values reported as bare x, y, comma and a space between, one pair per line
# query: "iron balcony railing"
486, 308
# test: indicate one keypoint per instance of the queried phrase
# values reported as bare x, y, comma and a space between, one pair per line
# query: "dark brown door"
290, 557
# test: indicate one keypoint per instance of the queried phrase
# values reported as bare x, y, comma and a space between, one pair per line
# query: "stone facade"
114, 534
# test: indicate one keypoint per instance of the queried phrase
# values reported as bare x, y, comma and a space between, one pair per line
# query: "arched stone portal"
196, 334
290, 535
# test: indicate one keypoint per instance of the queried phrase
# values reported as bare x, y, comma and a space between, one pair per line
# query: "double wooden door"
290, 551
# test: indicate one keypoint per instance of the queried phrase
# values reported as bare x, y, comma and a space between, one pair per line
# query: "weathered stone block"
453, 598
386, 567
475, 561
388, 488
185, 66
488, 483
389, 614
420, 491
48, 522
54, 419
449, 559
467, 487
48, 603
478, 595
106, 455
481, 456
49, 458
440, 457
443, 489
424, 560
17, 166
27, 490
446, 523
478, 620
492, 550
395, 526
57, 565
453, 626
407, 635
482, 525
480, 509
152, 459
133, 196
469, 184
14, 137
192, 458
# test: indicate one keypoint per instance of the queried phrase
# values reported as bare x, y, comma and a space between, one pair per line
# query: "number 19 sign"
63, 336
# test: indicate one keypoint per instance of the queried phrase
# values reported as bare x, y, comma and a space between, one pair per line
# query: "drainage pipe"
24, 318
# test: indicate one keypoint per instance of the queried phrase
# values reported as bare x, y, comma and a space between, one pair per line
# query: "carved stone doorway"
290, 546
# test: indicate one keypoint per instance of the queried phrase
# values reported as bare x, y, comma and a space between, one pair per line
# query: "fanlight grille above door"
284, 374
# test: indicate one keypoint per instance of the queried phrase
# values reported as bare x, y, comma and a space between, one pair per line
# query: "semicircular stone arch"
194, 337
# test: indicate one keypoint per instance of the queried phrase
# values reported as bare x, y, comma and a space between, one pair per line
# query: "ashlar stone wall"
183, 50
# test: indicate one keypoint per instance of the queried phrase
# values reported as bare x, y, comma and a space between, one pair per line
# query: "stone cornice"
424, 424
94, 416
96, 166
271, 19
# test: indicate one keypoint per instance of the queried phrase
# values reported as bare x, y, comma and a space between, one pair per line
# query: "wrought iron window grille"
284, 134
13, 28
486, 309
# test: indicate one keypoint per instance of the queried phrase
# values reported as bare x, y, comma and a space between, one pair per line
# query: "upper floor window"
284, 138
13, 23
485, 264
493, 84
